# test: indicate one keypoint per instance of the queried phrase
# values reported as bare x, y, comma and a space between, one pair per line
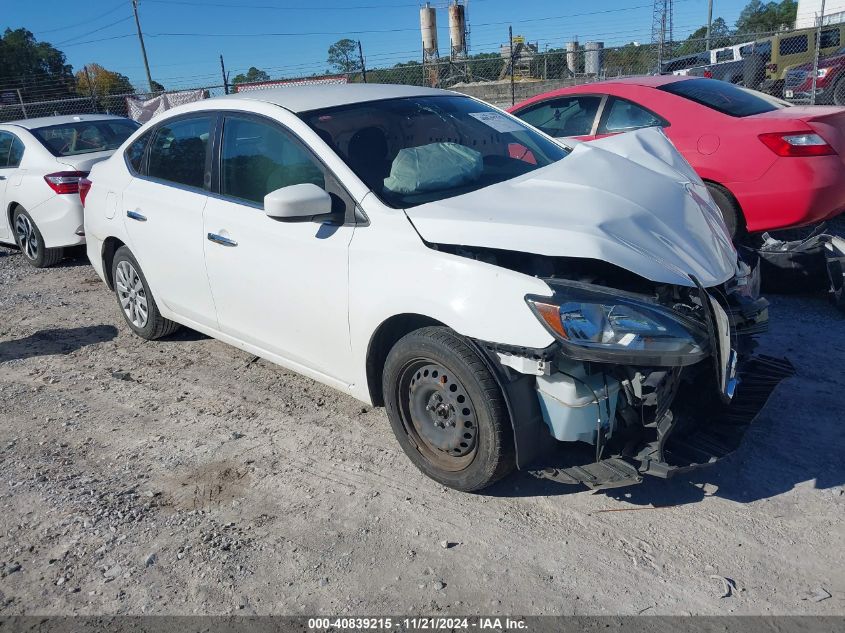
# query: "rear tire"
730, 210
447, 411
31, 242
136, 302
839, 92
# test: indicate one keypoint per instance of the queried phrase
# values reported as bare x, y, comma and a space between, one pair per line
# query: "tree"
252, 75
157, 87
763, 17
720, 34
343, 56
38, 69
103, 82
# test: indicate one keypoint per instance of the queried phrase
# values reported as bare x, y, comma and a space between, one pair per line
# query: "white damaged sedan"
507, 298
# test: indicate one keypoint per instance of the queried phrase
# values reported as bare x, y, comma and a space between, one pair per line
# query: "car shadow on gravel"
55, 341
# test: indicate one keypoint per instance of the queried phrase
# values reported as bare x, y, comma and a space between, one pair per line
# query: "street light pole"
709, 23
143, 48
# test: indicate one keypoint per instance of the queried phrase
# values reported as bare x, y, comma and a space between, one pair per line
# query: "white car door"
11, 152
279, 286
162, 209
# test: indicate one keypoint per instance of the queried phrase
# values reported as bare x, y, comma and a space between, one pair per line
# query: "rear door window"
179, 150
564, 116
11, 150
135, 153
724, 97
829, 38
793, 45
623, 115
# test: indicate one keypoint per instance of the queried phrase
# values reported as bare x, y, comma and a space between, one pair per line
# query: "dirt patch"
178, 477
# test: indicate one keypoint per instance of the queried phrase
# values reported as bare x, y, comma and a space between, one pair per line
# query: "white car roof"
314, 97
45, 121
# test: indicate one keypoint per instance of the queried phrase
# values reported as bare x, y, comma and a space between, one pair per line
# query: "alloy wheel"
131, 293
27, 237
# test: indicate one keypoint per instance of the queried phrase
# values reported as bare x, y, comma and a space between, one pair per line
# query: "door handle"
133, 215
219, 239
2, 177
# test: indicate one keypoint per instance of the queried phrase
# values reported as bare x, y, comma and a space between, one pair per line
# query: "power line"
86, 22
102, 28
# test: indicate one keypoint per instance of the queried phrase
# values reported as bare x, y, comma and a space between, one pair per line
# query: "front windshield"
84, 137
410, 151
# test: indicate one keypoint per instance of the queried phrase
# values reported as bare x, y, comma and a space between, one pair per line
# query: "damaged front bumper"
640, 420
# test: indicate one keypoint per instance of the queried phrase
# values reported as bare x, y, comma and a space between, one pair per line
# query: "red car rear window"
724, 97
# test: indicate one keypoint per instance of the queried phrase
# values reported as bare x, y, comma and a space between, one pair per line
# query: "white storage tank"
572, 56
593, 57
428, 27
457, 29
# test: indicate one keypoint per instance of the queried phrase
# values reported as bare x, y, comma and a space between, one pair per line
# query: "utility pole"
225, 78
709, 23
512, 56
816, 56
90, 89
361, 57
143, 48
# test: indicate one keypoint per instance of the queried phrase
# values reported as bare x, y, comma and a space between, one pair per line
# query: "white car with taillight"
41, 164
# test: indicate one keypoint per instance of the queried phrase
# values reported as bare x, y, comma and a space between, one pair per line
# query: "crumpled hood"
630, 199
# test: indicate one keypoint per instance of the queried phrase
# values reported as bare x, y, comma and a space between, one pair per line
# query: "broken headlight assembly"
593, 323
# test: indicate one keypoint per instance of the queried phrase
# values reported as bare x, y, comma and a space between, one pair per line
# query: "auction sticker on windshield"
497, 121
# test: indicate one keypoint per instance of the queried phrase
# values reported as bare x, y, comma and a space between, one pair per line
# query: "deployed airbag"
433, 167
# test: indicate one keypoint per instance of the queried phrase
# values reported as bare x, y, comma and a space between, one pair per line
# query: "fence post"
363, 66
816, 55
20, 98
90, 90
512, 56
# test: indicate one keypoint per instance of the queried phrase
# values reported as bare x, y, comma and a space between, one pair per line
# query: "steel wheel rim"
131, 294
27, 237
438, 415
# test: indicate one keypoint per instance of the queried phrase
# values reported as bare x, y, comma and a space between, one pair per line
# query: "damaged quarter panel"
630, 200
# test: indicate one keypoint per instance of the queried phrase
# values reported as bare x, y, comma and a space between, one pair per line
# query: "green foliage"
343, 56
37, 68
252, 75
762, 17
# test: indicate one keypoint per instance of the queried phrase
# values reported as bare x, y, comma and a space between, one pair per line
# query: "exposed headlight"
821, 73
599, 324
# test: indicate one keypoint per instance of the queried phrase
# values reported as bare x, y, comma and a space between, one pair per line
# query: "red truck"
830, 81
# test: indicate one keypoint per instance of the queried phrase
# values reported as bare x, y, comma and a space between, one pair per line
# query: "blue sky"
290, 37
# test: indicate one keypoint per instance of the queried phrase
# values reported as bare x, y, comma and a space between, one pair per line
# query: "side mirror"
297, 203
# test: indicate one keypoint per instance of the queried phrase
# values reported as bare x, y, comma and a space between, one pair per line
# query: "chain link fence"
803, 66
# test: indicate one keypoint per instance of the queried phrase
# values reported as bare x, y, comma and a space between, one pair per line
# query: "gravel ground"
180, 477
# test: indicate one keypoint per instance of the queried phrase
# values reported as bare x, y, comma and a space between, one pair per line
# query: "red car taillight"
797, 144
65, 181
84, 188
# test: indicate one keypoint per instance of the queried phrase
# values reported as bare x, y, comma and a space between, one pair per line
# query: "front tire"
136, 302
730, 211
447, 410
31, 242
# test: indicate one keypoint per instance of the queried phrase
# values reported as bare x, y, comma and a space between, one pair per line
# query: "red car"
767, 165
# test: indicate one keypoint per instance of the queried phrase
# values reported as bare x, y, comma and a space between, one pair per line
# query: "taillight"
797, 144
708, 74
84, 188
65, 181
